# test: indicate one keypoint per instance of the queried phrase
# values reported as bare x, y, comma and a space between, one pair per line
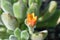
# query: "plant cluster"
21, 17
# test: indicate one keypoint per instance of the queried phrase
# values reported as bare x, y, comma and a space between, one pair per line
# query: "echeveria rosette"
31, 22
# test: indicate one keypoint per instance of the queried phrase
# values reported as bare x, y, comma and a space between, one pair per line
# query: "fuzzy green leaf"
12, 37
39, 36
19, 10
24, 35
9, 21
33, 9
17, 33
39, 2
7, 6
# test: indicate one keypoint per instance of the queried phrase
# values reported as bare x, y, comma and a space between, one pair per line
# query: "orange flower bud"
31, 19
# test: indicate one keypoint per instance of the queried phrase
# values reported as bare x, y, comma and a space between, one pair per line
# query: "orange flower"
31, 19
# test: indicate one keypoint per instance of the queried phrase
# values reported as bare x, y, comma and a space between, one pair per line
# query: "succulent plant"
20, 17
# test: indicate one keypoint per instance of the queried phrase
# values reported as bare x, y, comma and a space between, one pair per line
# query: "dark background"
53, 33
46, 2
